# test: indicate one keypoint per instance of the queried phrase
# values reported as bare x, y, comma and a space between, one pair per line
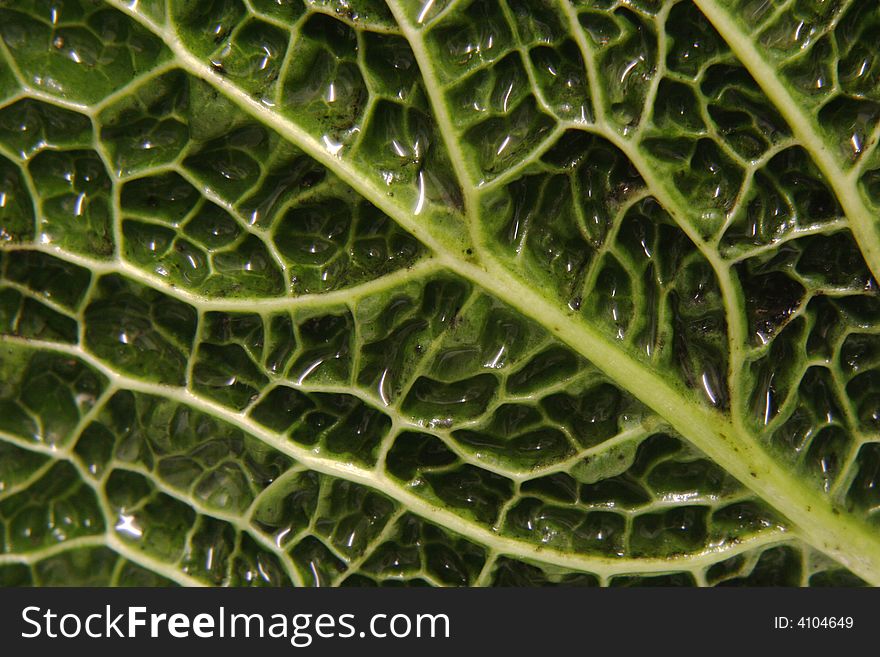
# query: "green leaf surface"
437, 292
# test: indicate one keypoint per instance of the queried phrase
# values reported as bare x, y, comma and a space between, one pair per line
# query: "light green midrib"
862, 220
827, 529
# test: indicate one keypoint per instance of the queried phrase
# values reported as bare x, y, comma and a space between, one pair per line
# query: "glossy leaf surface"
501, 292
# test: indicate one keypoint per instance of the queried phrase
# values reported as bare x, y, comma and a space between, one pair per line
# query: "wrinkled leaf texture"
437, 292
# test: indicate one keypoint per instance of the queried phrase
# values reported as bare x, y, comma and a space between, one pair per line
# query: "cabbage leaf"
438, 292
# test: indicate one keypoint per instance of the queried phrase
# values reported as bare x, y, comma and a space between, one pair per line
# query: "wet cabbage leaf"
437, 292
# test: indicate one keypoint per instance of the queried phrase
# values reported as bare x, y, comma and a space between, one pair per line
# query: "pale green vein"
862, 220
96, 541
342, 296
441, 515
433, 89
